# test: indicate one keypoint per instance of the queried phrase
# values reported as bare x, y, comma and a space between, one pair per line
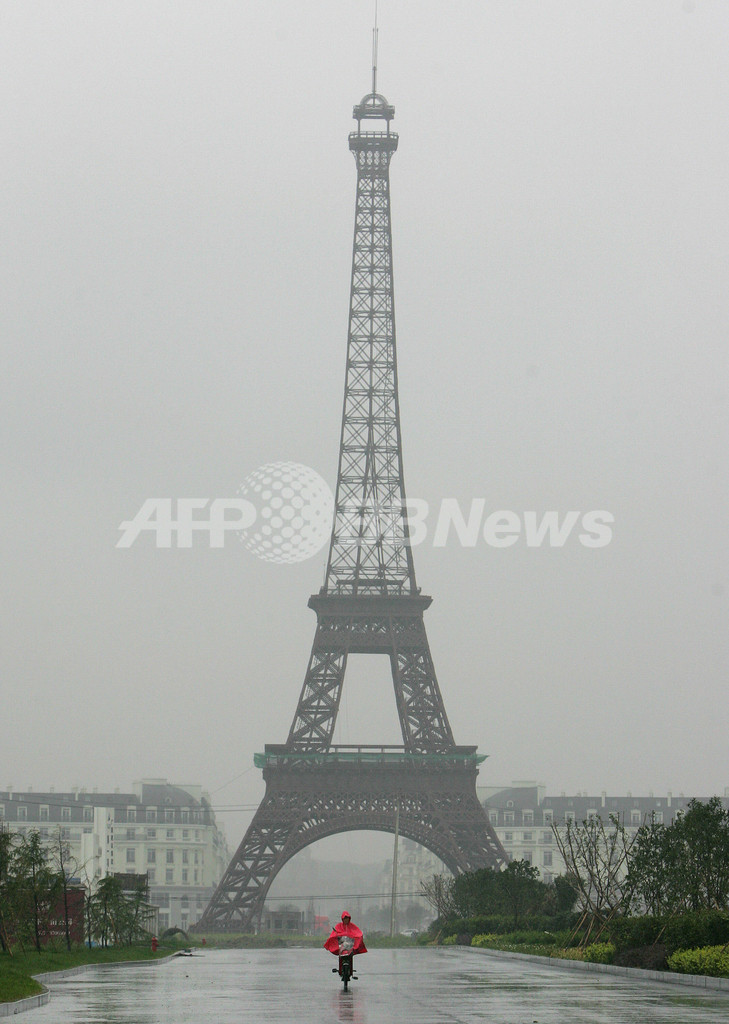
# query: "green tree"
683, 866
36, 887
521, 890
6, 886
703, 843
477, 893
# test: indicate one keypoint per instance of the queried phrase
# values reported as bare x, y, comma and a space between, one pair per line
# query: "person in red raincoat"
345, 928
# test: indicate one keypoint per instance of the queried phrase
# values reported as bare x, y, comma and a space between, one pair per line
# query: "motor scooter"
346, 967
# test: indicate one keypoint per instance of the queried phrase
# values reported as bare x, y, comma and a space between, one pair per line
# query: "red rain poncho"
345, 928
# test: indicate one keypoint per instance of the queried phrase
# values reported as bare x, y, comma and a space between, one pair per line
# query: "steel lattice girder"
437, 808
370, 551
392, 626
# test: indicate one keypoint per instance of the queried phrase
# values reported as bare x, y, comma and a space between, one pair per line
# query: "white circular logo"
294, 509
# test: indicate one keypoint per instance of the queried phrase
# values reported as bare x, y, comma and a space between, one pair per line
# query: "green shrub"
486, 940
600, 953
711, 960
686, 931
569, 954
692, 931
501, 924
634, 932
450, 940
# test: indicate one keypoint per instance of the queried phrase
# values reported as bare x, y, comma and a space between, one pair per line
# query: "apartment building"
522, 816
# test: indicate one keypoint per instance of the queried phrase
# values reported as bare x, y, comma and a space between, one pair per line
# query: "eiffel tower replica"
369, 604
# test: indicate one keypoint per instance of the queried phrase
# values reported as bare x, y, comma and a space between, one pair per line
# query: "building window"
184, 903
635, 817
196, 874
164, 922
43, 813
197, 857
528, 837
547, 858
151, 856
494, 817
170, 856
44, 833
569, 816
546, 837
548, 877
65, 833
168, 875
658, 817
151, 814
131, 813
184, 815
527, 856
197, 834
527, 817
88, 813
131, 855
508, 817
65, 814
548, 816
22, 813
170, 833
508, 837
186, 833
169, 814
150, 875
151, 833
184, 876
185, 859
131, 834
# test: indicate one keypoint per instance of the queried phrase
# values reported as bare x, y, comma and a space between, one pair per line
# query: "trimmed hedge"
711, 960
689, 931
504, 925
599, 953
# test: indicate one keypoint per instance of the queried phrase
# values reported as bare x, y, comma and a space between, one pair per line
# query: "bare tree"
438, 891
66, 867
596, 860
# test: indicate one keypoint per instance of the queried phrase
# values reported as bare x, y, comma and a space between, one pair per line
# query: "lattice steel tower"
370, 604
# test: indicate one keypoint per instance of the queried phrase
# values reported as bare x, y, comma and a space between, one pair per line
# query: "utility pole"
393, 905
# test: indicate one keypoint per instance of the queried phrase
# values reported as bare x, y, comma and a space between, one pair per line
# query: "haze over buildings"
179, 197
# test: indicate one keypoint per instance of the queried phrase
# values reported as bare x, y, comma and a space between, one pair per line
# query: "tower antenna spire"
375, 33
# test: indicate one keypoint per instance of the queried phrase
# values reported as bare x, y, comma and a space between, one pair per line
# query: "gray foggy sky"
177, 212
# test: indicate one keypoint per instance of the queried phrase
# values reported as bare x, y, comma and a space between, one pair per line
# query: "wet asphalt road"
402, 986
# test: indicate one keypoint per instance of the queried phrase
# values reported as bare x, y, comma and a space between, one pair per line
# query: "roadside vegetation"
657, 899
50, 922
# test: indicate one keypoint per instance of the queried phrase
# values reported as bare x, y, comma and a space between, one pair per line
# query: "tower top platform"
373, 106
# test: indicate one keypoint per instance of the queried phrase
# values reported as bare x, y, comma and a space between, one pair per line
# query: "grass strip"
16, 981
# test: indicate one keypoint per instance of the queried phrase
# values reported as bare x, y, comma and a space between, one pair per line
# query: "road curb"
631, 973
21, 1005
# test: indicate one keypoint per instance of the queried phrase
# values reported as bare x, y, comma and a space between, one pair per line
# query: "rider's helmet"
346, 915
